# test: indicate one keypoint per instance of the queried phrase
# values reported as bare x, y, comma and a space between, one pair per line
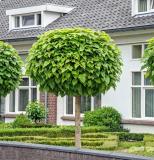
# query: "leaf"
74, 82
82, 78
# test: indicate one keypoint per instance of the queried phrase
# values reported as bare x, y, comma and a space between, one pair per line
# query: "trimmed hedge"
124, 136
50, 132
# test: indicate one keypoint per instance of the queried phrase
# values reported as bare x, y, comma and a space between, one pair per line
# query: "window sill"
69, 118
138, 122
8, 115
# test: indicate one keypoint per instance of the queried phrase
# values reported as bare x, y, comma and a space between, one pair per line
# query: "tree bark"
77, 122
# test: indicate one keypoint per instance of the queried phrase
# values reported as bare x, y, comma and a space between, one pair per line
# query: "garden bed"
96, 138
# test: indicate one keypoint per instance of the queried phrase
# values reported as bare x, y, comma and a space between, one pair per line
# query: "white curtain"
69, 105
149, 103
136, 102
142, 5
152, 4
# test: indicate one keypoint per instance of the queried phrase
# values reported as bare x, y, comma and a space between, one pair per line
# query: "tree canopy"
74, 61
10, 68
148, 60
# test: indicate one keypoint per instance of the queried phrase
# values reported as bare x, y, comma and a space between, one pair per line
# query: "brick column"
52, 107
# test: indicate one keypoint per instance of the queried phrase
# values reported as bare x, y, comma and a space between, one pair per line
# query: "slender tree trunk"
77, 122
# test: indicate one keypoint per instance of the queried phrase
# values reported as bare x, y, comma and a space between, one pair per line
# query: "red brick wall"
52, 107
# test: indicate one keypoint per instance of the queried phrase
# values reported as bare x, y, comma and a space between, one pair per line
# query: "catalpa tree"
10, 69
148, 61
75, 62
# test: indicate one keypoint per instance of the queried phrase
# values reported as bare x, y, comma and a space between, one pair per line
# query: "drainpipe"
46, 106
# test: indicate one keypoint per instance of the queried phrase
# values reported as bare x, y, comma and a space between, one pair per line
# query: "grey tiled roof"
109, 15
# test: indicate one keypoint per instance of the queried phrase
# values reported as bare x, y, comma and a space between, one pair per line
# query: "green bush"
124, 136
35, 111
106, 116
47, 132
21, 121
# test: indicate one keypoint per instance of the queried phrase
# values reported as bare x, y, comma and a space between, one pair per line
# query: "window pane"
136, 102
33, 83
142, 5
12, 102
2, 105
147, 82
39, 20
17, 21
69, 105
97, 101
23, 57
24, 82
28, 20
85, 104
151, 4
136, 78
149, 103
23, 99
33, 94
137, 51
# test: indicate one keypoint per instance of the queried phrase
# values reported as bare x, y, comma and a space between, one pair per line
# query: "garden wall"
21, 151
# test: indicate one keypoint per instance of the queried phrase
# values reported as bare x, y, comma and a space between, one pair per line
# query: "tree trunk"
77, 122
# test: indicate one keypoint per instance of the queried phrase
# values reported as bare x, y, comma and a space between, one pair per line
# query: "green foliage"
48, 132
74, 61
124, 136
148, 60
21, 121
35, 111
4, 125
106, 116
10, 69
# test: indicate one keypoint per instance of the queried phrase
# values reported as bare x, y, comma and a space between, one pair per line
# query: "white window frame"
135, 8
143, 88
17, 96
142, 51
82, 114
20, 23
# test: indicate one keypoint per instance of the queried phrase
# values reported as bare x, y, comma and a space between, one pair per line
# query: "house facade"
130, 23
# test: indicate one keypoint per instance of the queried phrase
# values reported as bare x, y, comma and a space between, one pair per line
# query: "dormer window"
36, 16
31, 20
143, 6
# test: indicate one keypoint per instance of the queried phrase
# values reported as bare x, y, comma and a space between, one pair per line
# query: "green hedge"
124, 136
50, 132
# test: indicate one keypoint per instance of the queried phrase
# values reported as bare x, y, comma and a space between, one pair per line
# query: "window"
30, 20
142, 87
26, 92
87, 104
136, 94
138, 50
2, 105
144, 6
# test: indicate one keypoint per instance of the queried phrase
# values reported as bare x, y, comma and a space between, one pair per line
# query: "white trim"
29, 87
47, 7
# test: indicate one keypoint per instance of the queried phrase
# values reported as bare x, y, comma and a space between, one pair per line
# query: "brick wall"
21, 151
52, 107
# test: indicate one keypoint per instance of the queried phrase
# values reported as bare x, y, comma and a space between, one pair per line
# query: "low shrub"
48, 132
4, 125
35, 111
106, 116
124, 136
21, 121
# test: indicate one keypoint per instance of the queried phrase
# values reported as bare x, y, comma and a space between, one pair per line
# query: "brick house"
130, 23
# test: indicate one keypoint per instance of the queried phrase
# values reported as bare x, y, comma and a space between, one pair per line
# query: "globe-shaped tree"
10, 69
76, 62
